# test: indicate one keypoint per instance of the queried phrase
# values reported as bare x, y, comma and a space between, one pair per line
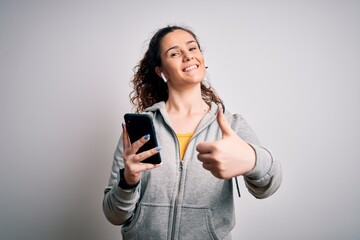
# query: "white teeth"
190, 68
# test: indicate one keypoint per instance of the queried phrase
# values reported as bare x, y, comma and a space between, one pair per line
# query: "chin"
198, 78
195, 80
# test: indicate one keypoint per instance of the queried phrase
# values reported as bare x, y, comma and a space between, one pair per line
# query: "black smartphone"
137, 126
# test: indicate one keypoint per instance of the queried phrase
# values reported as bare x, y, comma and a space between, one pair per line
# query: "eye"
175, 54
192, 48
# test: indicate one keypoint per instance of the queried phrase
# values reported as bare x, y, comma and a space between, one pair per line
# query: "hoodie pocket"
150, 222
200, 223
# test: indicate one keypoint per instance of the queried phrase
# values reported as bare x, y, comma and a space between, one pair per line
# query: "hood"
207, 119
214, 108
157, 106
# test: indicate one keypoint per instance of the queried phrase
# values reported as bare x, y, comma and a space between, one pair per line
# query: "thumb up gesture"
228, 157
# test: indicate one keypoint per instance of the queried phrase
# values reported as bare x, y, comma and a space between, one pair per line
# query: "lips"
190, 68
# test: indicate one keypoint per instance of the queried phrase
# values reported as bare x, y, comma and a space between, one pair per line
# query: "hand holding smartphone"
139, 125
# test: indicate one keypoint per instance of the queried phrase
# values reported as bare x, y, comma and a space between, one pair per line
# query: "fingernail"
158, 148
147, 136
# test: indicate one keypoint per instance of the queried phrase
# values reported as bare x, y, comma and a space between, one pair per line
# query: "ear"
158, 71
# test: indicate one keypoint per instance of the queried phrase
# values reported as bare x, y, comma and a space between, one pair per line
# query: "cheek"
203, 73
173, 67
201, 59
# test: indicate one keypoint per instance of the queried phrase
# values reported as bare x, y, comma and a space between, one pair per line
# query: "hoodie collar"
207, 119
214, 108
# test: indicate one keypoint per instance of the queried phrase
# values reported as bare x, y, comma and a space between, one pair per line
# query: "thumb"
223, 124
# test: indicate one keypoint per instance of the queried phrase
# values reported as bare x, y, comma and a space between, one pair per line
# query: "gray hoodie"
180, 199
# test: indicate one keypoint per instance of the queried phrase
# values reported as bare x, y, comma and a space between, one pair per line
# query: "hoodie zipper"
172, 236
176, 201
181, 166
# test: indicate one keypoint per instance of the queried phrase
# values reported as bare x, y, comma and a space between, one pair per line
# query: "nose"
187, 56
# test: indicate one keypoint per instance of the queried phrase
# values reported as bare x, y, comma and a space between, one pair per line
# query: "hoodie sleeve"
265, 178
119, 204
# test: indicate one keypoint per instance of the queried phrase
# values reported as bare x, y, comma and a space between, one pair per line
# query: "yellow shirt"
184, 139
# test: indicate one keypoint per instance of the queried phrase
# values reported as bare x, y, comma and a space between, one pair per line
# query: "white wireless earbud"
163, 77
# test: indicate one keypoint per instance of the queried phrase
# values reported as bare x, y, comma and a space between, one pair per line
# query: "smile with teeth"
192, 67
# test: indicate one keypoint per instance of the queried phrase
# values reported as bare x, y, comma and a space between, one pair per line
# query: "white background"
291, 68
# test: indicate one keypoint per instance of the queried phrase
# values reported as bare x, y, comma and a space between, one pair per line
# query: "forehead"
176, 38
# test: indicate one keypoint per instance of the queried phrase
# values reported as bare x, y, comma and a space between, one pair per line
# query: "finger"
138, 168
212, 170
223, 124
138, 144
205, 147
205, 157
207, 166
126, 140
146, 154
148, 166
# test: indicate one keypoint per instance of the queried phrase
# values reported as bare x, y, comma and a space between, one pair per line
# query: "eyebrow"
175, 47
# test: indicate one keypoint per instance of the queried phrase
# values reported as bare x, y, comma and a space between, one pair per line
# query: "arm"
265, 177
239, 152
119, 204
120, 198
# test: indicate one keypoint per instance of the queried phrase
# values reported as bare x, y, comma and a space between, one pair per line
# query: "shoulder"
156, 107
234, 118
239, 125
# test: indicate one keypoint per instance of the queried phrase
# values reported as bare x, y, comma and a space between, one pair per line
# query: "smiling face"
182, 61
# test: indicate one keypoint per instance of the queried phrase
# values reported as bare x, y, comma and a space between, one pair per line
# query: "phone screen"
138, 125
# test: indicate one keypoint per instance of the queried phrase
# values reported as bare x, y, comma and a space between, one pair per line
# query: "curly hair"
148, 87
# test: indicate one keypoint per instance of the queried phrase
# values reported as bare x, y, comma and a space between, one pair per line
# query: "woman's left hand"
229, 157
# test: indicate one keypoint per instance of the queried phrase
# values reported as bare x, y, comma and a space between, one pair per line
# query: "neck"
186, 102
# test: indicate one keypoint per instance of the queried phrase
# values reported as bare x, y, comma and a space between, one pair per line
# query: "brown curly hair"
149, 88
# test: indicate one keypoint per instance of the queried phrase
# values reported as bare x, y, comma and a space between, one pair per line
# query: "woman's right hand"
132, 161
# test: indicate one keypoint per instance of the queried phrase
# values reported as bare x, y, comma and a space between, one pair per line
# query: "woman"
190, 195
